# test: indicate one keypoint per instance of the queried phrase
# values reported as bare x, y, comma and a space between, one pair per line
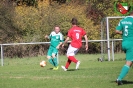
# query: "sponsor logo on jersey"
57, 37
77, 30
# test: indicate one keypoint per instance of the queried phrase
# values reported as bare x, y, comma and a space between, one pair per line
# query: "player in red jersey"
75, 34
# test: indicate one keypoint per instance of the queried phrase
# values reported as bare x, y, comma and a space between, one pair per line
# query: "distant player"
125, 28
56, 39
75, 34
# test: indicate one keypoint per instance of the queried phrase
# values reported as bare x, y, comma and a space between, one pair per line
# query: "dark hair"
131, 13
74, 21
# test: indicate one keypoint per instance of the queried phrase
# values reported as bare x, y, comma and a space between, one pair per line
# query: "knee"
53, 55
129, 63
48, 57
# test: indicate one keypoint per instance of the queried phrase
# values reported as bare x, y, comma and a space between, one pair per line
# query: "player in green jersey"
56, 39
125, 28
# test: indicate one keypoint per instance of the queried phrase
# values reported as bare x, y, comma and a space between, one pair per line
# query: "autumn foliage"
30, 23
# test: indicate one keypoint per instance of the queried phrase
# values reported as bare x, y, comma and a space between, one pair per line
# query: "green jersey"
55, 39
126, 26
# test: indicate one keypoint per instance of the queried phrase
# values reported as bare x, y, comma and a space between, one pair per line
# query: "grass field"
26, 73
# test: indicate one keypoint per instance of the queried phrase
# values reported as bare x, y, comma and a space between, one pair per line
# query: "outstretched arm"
86, 41
67, 39
46, 36
118, 32
59, 45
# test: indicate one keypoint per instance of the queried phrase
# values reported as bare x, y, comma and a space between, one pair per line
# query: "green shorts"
128, 48
52, 50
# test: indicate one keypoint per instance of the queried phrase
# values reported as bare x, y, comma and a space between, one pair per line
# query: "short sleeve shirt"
126, 26
55, 39
76, 33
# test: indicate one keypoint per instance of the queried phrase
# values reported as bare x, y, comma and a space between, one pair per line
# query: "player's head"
74, 21
131, 14
57, 29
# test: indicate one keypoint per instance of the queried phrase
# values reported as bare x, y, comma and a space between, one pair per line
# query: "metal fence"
11, 44
102, 49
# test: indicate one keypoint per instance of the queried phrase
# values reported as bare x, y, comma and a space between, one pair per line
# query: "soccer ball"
43, 63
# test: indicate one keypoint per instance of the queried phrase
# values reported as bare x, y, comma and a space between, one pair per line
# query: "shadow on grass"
71, 70
76, 69
50, 69
125, 82
68, 69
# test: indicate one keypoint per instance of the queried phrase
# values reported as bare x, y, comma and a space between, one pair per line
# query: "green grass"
26, 73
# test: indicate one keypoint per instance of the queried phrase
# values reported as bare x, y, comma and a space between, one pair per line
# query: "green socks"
124, 71
55, 61
51, 61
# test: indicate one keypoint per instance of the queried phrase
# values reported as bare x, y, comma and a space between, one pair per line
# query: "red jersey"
76, 33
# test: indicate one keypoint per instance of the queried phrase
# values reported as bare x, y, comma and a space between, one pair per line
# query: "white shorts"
71, 51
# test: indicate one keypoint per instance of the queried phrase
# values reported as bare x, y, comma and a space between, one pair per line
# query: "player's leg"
71, 53
54, 59
54, 54
67, 65
49, 54
126, 67
71, 56
124, 72
68, 61
50, 60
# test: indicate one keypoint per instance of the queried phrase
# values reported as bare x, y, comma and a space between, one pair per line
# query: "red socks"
73, 59
68, 63
70, 59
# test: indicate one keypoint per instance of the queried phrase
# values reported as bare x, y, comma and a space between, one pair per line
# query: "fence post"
57, 57
2, 55
108, 38
112, 50
102, 39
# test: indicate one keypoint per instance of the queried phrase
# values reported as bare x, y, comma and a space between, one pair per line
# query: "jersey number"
126, 31
77, 35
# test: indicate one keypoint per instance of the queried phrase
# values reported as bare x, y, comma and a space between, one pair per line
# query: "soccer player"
75, 34
125, 28
56, 39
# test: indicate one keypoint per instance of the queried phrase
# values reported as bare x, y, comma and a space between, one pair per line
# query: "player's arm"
67, 39
47, 37
118, 32
59, 45
119, 28
86, 41
61, 41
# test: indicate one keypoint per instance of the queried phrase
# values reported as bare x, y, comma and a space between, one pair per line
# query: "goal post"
107, 19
